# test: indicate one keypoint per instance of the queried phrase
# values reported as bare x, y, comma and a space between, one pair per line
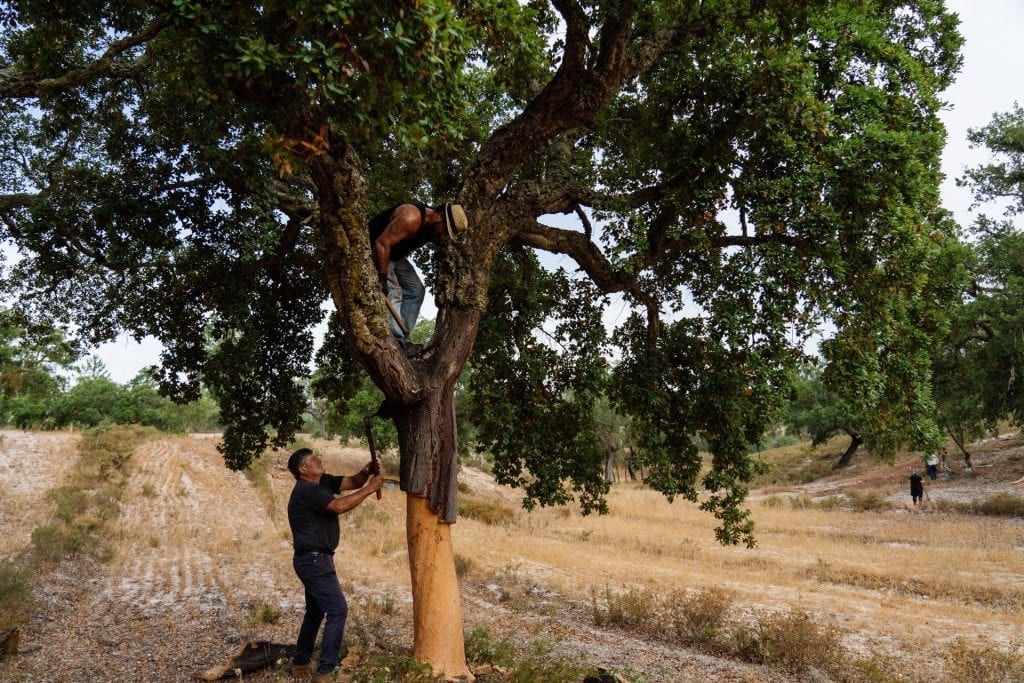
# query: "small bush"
830, 503
264, 614
70, 503
482, 648
15, 593
53, 543
801, 502
791, 641
486, 511
634, 607
771, 502
999, 504
698, 617
967, 663
463, 566
868, 502
389, 667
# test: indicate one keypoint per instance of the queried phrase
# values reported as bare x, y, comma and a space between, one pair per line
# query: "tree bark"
419, 389
856, 440
959, 444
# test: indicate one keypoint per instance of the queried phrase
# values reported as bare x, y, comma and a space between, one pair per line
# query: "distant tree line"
36, 361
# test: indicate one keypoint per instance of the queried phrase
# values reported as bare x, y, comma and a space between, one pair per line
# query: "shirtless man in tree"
394, 234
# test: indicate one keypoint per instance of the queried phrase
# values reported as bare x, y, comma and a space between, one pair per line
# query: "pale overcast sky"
990, 81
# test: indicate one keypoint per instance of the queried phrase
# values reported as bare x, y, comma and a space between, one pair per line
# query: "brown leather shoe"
303, 670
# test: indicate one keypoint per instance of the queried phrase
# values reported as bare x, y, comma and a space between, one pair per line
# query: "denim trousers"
406, 293
323, 599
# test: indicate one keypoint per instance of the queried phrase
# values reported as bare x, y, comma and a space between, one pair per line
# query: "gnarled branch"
17, 83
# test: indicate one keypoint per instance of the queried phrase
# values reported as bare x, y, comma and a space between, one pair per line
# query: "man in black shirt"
397, 232
313, 517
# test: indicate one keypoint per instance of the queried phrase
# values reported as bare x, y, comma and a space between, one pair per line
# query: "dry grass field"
202, 561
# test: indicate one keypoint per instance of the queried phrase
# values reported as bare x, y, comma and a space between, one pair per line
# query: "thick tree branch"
17, 83
589, 257
17, 200
577, 42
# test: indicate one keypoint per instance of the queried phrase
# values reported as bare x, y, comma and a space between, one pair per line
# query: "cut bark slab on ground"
249, 657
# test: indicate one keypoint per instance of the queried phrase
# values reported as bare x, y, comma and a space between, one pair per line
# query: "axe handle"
398, 318
368, 426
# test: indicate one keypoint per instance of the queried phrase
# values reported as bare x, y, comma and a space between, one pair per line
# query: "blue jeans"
323, 598
406, 293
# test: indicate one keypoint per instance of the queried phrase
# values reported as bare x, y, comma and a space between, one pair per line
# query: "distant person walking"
932, 463
313, 517
916, 487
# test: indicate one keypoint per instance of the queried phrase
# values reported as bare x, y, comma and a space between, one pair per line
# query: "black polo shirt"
314, 528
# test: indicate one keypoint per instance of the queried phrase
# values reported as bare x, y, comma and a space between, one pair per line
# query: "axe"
368, 426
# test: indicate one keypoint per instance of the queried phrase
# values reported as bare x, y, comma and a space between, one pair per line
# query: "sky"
989, 82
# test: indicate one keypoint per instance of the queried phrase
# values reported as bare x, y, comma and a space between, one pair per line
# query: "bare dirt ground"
201, 548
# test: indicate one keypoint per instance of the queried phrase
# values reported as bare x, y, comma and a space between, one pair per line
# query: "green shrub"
698, 617
801, 502
771, 502
54, 543
634, 607
15, 593
264, 614
790, 640
148, 491
830, 503
482, 648
967, 663
70, 503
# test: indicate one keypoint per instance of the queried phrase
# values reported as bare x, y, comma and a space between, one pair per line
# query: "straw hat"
455, 219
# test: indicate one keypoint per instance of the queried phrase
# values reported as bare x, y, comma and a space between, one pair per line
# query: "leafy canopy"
741, 171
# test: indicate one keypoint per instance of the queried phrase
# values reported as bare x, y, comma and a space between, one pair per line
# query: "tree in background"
32, 356
821, 414
978, 371
738, 170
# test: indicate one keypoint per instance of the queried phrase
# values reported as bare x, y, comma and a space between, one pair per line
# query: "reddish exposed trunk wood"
438, 638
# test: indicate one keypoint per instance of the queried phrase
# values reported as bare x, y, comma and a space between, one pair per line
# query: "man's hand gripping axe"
374, 463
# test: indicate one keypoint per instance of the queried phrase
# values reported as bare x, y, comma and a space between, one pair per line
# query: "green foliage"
978, 368
263, 614
95, 400
194, 202
31, 354
15, 593
535, 660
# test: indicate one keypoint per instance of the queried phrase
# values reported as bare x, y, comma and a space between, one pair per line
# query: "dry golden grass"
891, 580
883, 575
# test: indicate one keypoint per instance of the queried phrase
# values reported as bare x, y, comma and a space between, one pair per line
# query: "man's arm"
343, 504
405, 221
357, 480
